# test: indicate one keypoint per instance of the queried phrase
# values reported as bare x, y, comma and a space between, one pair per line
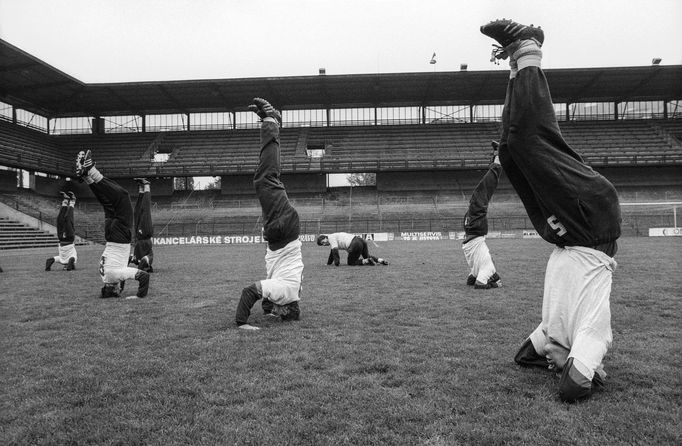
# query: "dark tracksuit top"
568, 203
118, 211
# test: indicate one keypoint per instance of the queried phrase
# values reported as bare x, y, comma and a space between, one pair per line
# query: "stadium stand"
621, 142
406, 147
24, 147
210, 152
119, 154
425, 168
671, 130
347, 149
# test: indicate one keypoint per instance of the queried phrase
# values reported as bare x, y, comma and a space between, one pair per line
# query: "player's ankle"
93, 176
527, 54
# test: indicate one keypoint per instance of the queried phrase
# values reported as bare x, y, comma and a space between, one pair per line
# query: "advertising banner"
665, 232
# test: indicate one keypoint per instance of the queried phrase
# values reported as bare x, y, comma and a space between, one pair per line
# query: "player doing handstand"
281, 289
571, 206
482, 274
66, 234
118, 222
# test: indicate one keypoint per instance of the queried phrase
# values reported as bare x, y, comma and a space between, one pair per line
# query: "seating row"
432, 146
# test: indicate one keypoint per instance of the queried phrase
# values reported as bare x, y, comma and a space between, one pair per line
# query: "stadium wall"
633, 182
313, 183
461, 182
8, 181
644, 176
636, 183
421, 181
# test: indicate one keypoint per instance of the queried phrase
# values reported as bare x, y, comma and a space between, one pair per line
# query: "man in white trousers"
281, 289
66, 233
118, 224
358, 251
482, 273
571, 206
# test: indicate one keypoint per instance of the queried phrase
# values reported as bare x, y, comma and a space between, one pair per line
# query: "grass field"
398, 354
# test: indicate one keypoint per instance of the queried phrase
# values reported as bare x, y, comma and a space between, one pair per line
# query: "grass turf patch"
399, 354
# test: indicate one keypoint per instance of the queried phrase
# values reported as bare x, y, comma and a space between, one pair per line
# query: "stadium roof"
31, 84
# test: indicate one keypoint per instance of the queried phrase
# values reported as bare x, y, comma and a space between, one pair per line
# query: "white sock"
528, 54
93, 176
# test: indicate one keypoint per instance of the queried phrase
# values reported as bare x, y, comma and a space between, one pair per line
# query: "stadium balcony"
626, 142
347, 149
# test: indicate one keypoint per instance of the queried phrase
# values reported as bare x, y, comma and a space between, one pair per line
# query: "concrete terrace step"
15, 235
25, 244
23, 229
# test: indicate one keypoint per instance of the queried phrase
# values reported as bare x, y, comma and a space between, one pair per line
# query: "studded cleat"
264, 109
506, 32
496, 146
83, 163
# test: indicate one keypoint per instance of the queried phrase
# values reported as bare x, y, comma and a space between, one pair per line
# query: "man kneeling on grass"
358, 251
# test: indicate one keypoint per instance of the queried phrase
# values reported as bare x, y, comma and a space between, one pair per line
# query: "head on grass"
556, 355
112, 289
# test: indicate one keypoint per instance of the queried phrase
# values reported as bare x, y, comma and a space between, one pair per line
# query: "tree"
362, 179
183, 183
214, 184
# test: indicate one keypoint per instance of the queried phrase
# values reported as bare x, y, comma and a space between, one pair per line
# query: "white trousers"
479, 260
284, 274
576, 311
65, 253
113, 265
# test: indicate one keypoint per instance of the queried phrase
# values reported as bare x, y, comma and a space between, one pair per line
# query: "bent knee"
527, 356
252, 290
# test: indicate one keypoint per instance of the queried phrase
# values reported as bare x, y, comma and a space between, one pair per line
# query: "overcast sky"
147, 40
